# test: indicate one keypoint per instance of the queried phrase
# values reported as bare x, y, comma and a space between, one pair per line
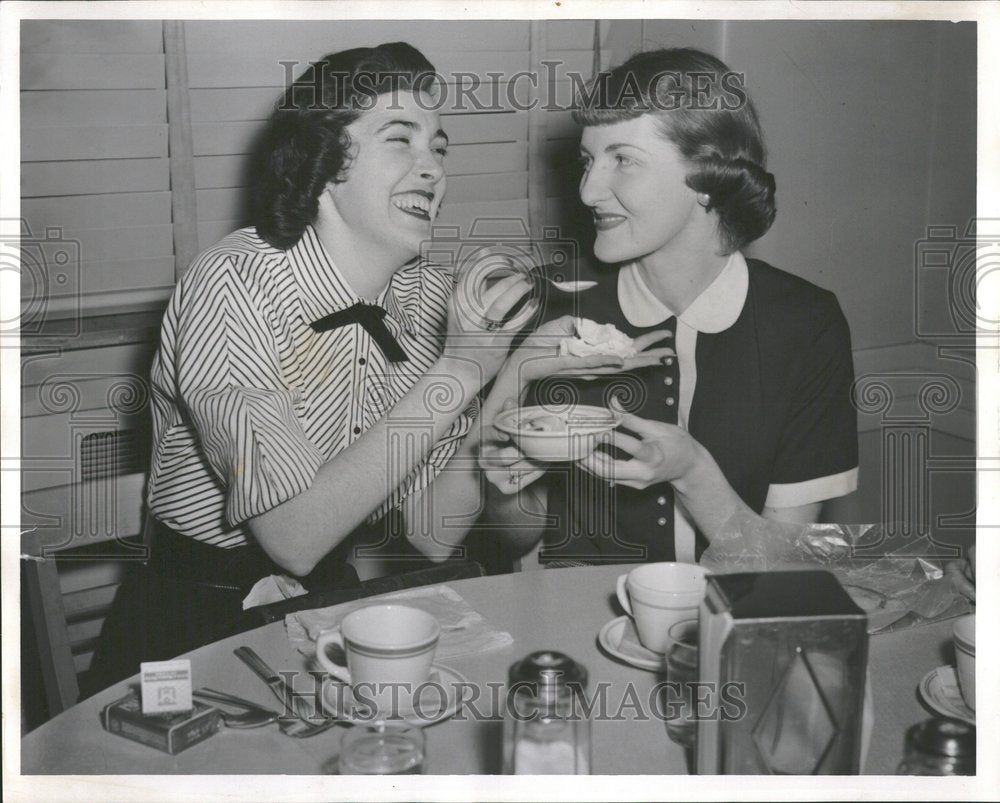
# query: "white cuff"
794, 494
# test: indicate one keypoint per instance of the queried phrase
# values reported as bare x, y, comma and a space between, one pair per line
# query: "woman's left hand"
539, 355
661, 453
963, 575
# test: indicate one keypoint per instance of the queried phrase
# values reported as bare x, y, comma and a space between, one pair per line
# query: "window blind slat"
61, 143
473, 128
97, 211
221, 139
232, 105
88, 601
508, 157
134, 242
222, 68
106, 275
317, 38
103, 107
221, 204
83, 632
580, 62
243, 104
94, 177
487, 187
228, 203
213, 172
240, 104
91, 71
565, 34
91, 36
211, 231
464, 215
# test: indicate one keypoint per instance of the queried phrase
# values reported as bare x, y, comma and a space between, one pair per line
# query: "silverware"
537, 274
570, 286
296, 720
253, 715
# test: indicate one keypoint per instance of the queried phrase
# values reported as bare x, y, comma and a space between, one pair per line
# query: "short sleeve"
244, 414
440, 455
817, 456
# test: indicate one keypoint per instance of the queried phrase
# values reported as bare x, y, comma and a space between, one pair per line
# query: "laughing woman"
295, 353
755, 412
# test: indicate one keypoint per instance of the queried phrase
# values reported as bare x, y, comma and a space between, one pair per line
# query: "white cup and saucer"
655, 596
390, 672
951, 690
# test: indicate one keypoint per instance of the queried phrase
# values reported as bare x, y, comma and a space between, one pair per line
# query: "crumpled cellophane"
893, 577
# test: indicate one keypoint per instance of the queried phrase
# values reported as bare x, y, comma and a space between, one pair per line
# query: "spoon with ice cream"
499, 265
577, 286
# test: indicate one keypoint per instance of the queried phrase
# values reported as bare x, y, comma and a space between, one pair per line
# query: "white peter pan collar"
715, 310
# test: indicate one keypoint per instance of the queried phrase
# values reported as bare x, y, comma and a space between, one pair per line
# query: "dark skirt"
188, 594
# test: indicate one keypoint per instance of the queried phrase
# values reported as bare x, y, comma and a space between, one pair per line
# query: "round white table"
560, 609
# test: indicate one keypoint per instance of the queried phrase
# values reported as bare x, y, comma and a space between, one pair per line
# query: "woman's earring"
703, 198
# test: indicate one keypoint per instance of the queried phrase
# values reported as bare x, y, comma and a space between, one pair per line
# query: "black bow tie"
370, 317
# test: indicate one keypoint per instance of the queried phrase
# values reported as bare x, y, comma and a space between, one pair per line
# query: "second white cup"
657, 596
965, 657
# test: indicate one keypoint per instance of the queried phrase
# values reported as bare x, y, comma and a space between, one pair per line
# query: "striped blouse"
249, 401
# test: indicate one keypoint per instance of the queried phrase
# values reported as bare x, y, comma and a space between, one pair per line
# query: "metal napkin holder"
793, 648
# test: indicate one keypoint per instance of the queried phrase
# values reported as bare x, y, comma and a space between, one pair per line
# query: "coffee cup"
658, 596
965, 657
389, 651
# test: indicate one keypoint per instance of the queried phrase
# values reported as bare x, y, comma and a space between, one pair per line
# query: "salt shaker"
545, 729
939, 747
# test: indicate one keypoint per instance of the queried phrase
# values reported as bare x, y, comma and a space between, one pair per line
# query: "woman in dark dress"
754, 413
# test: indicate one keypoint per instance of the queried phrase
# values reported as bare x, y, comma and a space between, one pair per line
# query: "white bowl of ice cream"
557, 434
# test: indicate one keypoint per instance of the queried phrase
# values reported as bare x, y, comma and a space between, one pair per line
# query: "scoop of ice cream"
597, 338
546, 423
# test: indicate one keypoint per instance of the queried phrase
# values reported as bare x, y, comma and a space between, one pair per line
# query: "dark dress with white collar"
772, 404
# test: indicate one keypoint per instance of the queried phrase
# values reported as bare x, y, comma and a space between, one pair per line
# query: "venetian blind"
94, 163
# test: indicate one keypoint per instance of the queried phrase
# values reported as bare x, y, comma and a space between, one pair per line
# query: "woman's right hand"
475, 313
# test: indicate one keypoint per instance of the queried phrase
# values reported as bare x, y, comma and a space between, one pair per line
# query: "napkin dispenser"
791, 650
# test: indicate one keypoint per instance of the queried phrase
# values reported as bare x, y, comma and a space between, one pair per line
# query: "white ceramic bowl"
555, 435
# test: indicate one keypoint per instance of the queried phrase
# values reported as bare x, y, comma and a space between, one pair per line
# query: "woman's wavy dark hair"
306, 145
704, 109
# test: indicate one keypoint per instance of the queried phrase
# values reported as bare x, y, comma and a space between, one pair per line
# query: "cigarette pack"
170, 732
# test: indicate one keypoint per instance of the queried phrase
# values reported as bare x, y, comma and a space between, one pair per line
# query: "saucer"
618, 638
939, 689
432, 701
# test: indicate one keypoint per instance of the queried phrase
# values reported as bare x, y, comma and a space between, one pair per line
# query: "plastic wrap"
892, 577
